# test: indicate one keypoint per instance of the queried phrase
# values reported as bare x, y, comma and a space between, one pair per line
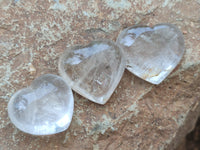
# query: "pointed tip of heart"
101, 100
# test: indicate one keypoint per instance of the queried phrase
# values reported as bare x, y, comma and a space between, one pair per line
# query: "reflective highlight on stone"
93, 71
44, 108
152, 53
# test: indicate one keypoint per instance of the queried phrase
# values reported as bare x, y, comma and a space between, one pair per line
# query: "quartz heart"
46, 107
152, 53
93, 71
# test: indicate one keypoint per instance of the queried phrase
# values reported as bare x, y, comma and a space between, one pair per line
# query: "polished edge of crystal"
24, 127
81, 91
165, 72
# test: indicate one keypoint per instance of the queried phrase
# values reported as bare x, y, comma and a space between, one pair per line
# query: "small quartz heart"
152, 53
93, 71
44, 108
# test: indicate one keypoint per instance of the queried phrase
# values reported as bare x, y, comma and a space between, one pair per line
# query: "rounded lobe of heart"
152, 53
44, 108
93, 71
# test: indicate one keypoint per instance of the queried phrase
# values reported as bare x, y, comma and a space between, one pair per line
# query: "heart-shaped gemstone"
152, 53
93, 71
44, 108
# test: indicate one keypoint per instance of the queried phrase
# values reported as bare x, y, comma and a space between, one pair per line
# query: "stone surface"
93, 71
138, 115
45, 107
152, 53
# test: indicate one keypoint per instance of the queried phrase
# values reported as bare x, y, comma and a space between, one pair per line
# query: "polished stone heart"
93, 71
152, 53
44, 108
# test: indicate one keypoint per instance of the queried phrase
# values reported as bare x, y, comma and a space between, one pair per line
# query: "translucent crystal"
93, 71
152, 53
46, 107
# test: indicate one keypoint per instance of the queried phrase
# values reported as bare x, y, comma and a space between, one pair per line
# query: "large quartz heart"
93, 71
152, 53
44, 108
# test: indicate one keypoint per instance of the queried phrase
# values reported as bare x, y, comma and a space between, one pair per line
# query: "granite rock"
138, 115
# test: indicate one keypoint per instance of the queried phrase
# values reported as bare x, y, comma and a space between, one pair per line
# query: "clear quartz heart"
152, 53
93, 71
44, 108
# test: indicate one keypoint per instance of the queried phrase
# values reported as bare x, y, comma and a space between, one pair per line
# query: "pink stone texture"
139, 115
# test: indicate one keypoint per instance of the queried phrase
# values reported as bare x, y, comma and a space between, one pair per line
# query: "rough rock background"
139, 115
